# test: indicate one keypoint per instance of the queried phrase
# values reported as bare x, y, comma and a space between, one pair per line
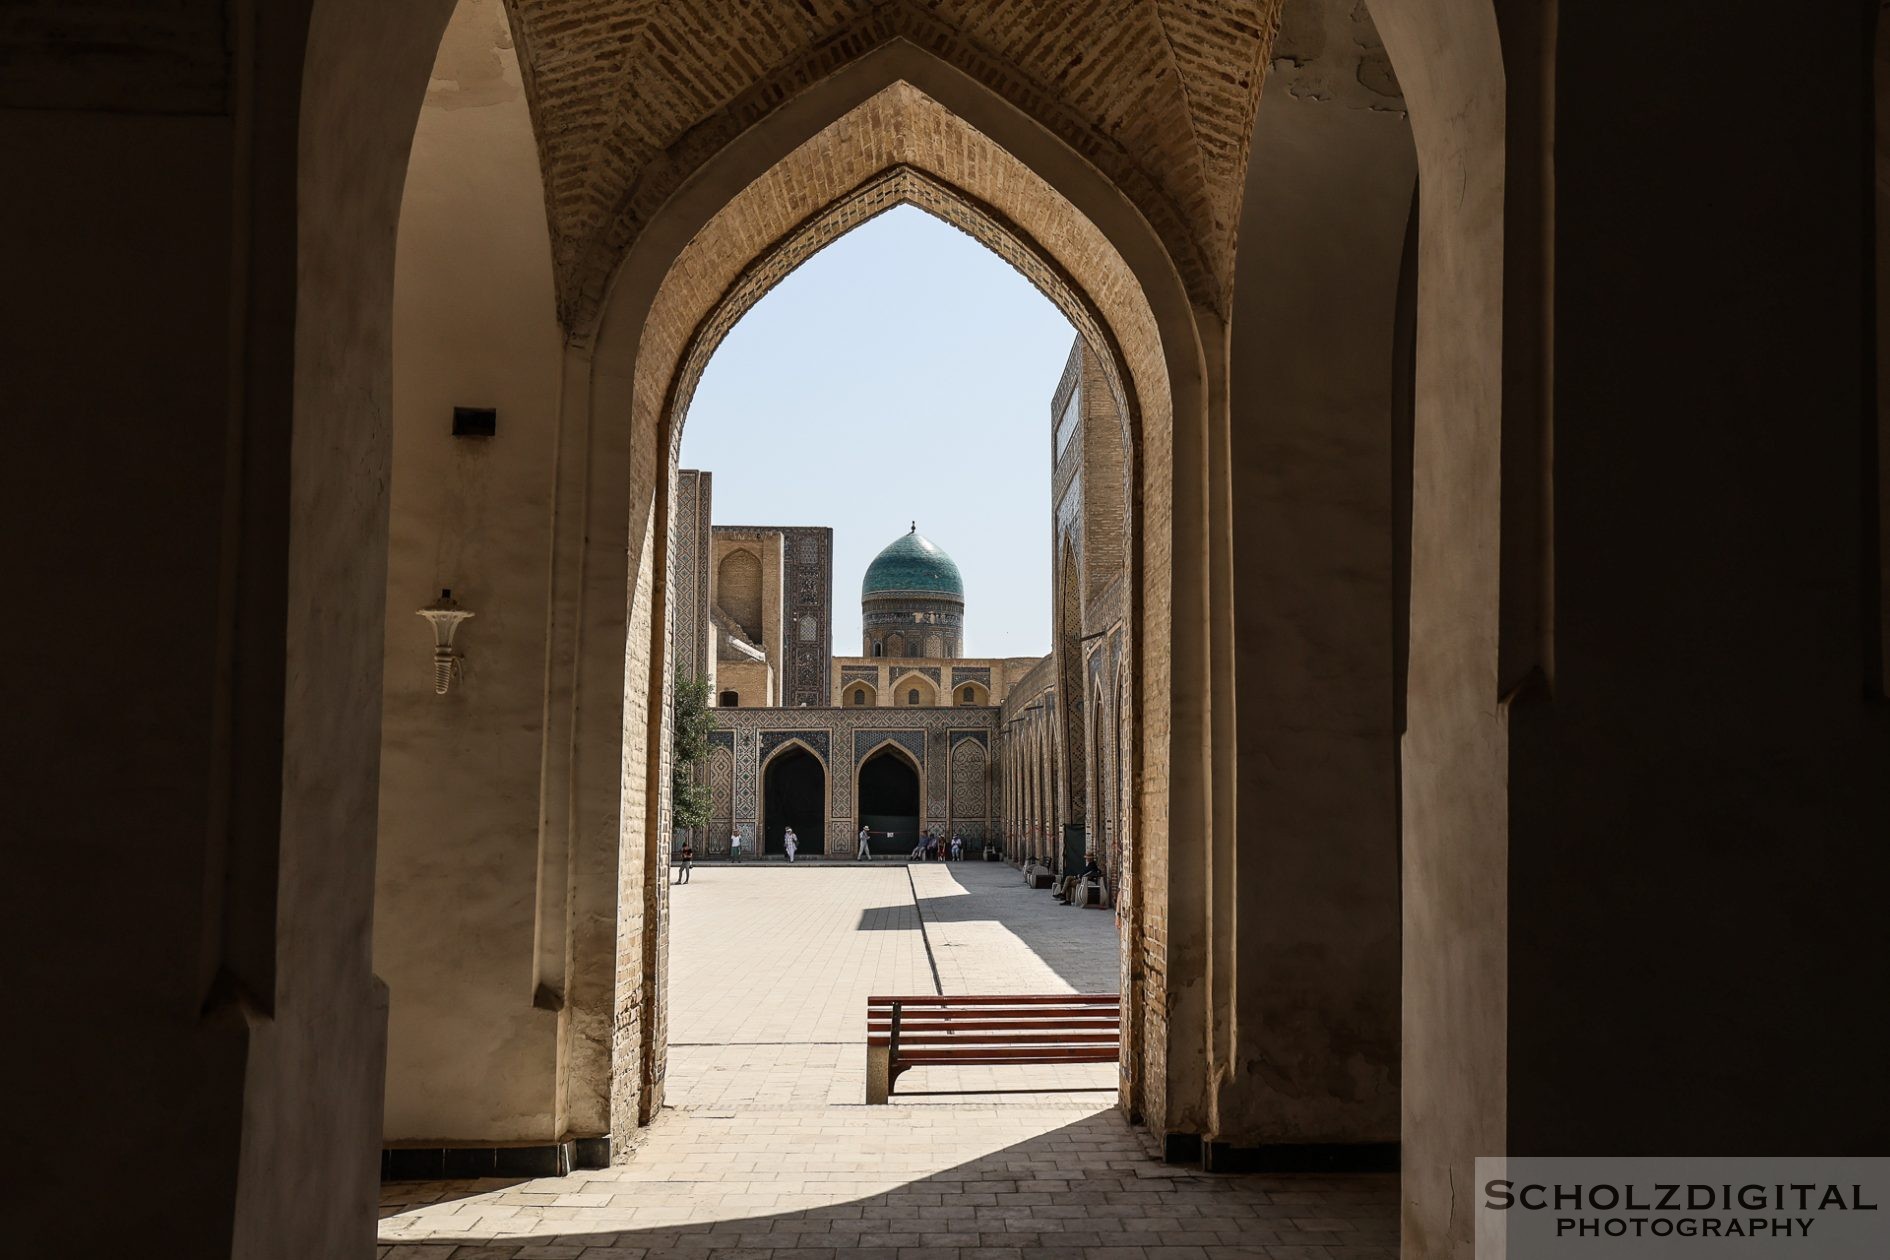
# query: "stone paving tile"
965, 1182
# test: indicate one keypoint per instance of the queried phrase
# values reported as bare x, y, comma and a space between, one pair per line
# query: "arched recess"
738, 590
861, 695
1073, 789
888, 796
721, 799
896, 645
794, 783
907, 685
969, 798
970, 693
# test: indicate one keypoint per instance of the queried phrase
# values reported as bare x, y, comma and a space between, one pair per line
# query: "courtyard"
765, 1145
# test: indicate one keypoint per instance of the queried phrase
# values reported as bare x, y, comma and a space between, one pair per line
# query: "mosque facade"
902, 737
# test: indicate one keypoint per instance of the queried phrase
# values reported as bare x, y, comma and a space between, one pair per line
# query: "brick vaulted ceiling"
630, 96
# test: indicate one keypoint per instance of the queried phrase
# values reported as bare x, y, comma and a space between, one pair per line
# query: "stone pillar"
1315, 905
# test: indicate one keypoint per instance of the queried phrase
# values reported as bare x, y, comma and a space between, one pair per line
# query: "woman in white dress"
789, 843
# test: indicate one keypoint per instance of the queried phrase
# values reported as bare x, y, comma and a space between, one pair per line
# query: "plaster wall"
470, 1057
1709, 763
136, 208
1329, 191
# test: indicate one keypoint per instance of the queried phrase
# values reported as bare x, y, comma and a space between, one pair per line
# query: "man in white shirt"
790, 843
734, 846
866, 852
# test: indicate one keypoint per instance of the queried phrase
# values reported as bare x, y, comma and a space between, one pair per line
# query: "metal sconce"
444, 614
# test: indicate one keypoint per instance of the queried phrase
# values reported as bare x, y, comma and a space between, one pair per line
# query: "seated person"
1066, 887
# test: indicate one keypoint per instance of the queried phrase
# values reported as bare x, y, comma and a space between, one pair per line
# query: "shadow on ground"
1073, 1190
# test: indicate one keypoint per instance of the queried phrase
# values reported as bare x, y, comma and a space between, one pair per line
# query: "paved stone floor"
992, 1182
766, 1148
771, 966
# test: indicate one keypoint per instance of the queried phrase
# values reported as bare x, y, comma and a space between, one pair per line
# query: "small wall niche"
475, 422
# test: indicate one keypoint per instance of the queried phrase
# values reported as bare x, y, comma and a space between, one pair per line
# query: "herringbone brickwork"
631, 98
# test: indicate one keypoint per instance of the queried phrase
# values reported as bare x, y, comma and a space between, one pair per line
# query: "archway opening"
794, 794
639, 686
889, 801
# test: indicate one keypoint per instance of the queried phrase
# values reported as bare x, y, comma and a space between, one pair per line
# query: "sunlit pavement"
766, 1146
770, 969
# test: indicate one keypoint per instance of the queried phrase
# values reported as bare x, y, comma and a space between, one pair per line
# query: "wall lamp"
444, 614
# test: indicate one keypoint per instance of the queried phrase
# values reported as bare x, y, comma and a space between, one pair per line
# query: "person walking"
734, 846
685, 863
789, 843
866, 850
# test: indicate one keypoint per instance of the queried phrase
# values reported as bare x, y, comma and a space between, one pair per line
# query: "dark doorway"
794, 794
889, 802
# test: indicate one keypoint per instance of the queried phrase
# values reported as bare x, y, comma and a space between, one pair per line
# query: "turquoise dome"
913, 563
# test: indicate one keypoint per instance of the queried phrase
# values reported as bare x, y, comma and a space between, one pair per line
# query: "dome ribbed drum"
912, 598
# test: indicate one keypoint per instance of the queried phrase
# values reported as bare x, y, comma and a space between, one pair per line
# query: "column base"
550, 1159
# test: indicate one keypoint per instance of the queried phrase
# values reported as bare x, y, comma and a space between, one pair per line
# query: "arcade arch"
1158, 327
887, 797
794, 794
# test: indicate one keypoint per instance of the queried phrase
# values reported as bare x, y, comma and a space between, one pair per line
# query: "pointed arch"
899, 125
774, 800
901, 808
790, 743
894, 746
721, 798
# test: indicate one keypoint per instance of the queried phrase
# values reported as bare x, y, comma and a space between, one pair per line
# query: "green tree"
689, 797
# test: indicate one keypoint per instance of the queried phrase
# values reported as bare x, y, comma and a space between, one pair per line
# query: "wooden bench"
909, 1032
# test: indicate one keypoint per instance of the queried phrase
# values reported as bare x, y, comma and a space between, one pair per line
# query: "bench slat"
1001, 999
985, 1043
1032, 1056
927, 1026
1034, 1014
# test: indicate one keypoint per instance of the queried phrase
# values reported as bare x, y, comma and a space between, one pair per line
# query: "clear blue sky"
904, 372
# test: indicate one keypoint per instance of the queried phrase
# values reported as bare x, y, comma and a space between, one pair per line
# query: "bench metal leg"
878, 1074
